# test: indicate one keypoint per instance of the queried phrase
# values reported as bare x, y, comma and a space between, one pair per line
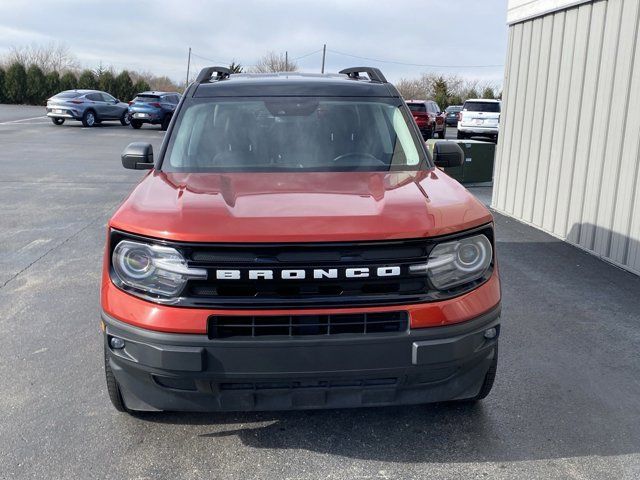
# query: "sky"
404, 38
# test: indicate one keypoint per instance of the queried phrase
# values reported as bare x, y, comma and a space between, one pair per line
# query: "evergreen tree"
2, 75
36, 86
68, 81
107, 82
235, 67
141, 86
87, 80
124, 87
441, 92
15, 83
488, 93
53, 83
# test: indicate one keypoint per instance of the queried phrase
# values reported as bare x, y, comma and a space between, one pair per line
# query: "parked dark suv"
295, 246
452, 112
155, 108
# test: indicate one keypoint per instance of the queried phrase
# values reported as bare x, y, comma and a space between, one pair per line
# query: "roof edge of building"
523, 10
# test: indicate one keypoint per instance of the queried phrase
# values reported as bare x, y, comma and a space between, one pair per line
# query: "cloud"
155, 36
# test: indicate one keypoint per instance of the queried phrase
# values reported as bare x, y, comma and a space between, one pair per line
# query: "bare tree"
446, 89
50, 57
161, 83
411, 88
274, 62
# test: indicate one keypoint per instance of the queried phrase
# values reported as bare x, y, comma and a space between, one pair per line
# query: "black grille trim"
328, 293
256, 326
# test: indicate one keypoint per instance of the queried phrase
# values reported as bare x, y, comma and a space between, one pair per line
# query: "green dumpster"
477, 168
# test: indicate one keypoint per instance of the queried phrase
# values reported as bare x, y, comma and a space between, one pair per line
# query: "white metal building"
568, 159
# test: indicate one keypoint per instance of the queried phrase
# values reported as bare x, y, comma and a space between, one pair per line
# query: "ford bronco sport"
295, 246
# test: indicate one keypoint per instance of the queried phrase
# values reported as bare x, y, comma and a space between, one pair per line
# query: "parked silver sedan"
88, 106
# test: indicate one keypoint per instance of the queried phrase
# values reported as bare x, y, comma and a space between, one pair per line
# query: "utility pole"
324, 54
286, 61
188, 65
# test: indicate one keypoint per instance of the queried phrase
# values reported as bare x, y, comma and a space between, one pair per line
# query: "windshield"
292, 134
482, 107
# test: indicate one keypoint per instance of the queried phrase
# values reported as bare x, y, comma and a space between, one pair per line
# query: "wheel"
489, 378
125, 119
89, 118
461, 135
165, 122
112, 386
427, 134
443, 133
136, 124
57, 121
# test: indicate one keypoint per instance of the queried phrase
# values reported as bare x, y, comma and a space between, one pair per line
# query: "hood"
298, 207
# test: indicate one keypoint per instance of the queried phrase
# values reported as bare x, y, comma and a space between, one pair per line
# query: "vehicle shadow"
566, 386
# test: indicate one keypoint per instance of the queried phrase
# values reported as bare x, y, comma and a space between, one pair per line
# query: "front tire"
125, 120
136, 124
57, 121
89, 119
112, 386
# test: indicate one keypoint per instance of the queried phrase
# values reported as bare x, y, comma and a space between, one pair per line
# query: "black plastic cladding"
279, 294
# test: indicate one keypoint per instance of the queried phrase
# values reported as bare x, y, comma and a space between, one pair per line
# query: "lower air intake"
231, 326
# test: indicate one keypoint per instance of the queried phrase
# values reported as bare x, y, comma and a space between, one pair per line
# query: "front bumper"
185, 372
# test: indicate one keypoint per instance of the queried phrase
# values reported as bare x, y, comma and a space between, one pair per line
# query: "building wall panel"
568, 159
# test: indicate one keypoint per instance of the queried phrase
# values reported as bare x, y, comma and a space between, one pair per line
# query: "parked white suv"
479, 117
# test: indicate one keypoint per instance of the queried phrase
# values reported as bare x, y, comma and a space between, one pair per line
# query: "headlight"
152, 268
457, 262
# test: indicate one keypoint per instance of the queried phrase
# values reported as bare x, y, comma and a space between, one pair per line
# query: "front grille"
336, 291
277, 292
230, 326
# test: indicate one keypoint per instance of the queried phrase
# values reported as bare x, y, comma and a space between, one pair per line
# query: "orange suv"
294, 245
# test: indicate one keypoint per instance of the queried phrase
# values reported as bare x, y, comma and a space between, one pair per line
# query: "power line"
209, 59
226, 63
306, 54
413, 64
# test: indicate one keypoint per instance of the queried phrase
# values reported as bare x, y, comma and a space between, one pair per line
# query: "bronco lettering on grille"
303, 273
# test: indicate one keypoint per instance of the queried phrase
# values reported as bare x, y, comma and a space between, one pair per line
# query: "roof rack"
206, 74
375, 75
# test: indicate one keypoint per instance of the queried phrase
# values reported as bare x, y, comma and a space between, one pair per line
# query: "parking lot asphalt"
566, 403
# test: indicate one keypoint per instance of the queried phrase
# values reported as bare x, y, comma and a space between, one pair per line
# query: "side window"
437, 107
431, 108
176, 99
108, 98
94, 97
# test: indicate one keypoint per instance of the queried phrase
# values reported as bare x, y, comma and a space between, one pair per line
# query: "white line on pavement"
23, 120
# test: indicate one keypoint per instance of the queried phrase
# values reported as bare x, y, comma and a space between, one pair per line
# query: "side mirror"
138, 156
447, 154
